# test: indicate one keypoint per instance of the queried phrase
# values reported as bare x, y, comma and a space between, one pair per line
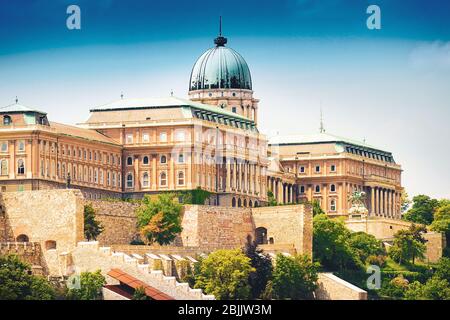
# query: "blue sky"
389, 86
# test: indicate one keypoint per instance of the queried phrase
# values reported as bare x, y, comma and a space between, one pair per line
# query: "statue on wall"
357, 199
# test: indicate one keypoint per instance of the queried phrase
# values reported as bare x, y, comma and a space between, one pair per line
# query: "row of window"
162, 179
162, 160
317, 168
179, 136
84, 154
317, 188
20, 146
370, 154
4, 167
221, 119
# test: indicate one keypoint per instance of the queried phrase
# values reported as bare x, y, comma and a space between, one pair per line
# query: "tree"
91, 284
404, 201
159, 221
422, 210
139, 294
271, 201
408, 244
225, 273
17, 283
294, 277
441, 222
92, 228
365, 245
434, 289
317, 209
262, 264
443, 269
330, 244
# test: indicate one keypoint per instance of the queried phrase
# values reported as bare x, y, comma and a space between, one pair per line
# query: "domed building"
221, 77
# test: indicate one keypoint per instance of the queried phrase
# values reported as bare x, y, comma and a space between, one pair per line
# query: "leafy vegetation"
91, 284
160, 220
422, 210
225, 274
294, 277
92, 228
408, 244
139, 294
262, 264
17, 282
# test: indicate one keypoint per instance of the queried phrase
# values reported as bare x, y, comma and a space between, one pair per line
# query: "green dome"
220, 68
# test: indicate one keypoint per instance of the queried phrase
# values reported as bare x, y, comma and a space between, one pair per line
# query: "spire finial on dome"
220, 41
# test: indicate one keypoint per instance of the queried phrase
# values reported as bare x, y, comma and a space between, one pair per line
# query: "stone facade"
52, 218
218, 227
331, 287
384, 229
286, 225
118, 219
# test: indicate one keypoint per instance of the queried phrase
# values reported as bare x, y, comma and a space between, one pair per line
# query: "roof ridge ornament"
322, 128
220, 41
17, 100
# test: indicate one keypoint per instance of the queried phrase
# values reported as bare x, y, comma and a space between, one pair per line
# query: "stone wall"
52, 218
287, 225
117, 218
384, 229
331, 287
219, 227
28, 252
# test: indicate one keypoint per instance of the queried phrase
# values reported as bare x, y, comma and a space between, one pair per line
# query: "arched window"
163, 179
4, 167
22, 238
145, 160
333, 188
50, 244
129, 161
233, 202
256, 204
130, 180
245, 202
20, 167
95, 176
239, 203
145, 181
63, 171
250, 203
317, 189
163, 159
180, 158
261, 235
181, 178
7, 120
114, 179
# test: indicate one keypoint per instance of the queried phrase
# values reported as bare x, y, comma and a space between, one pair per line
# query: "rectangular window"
317, 169
302, 169
145, 137
163, 137
333, 168
129, 138
302, 189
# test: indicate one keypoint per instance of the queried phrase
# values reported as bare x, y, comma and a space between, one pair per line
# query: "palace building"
211, 141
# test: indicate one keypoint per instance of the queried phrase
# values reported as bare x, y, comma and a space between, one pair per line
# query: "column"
280, 191
153, 171
29, 151
325, 198
12, 158
340, 199
383, 202
392, 203
388, 202
228, 181
372, 201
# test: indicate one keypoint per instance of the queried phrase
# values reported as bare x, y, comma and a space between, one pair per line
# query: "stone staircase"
159, 271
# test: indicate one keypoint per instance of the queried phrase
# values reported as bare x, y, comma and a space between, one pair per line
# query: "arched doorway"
250, 203
233, 202
239, 203
22, 238
261, 235
245, 203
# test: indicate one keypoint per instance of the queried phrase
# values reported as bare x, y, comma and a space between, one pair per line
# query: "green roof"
18, 108
145, 103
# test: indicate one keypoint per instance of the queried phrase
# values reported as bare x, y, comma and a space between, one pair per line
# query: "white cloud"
432, 55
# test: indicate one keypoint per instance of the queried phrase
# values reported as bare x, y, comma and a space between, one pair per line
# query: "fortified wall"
384, 229
51, 218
